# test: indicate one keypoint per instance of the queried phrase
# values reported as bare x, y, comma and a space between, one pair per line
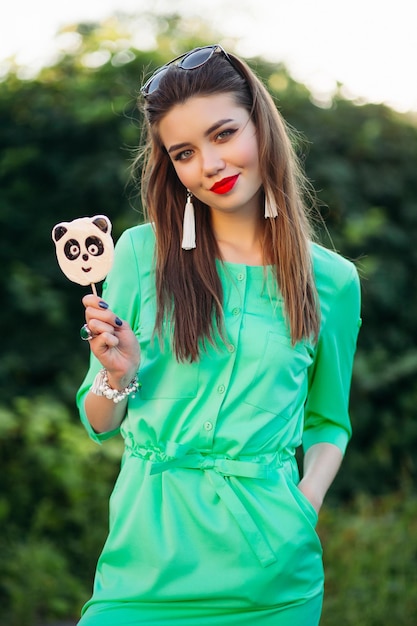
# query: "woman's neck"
238, 238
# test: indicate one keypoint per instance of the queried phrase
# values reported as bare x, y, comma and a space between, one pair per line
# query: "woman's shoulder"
331, 269
141, 238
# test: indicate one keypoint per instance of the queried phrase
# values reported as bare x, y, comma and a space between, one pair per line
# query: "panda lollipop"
84, 249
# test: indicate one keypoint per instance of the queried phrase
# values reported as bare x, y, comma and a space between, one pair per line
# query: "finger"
99, 327
96, 302
106, 316
103, 346
105, 341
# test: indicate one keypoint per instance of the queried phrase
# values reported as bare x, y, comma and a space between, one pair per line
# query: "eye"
94, 246
182, 156
225, 134
72, 249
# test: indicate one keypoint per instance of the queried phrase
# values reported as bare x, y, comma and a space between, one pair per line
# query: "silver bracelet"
101, 387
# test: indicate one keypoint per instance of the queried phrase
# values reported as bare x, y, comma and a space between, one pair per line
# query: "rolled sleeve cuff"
326, 433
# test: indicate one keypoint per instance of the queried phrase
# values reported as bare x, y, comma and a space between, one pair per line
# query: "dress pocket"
281, 375
303, 503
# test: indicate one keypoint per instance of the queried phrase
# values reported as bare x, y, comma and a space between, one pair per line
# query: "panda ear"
102, 222
58, 231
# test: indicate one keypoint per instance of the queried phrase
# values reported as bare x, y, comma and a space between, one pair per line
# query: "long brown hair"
189, 291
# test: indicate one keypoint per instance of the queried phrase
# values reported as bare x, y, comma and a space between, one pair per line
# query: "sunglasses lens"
196, 58
153, 82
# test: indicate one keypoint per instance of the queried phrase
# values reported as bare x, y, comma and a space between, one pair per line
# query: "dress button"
208, 426
236, 311
221, 388
241, 276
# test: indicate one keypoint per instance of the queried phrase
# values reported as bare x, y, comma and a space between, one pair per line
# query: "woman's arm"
103, 414
327, 426
321, 464
114, 344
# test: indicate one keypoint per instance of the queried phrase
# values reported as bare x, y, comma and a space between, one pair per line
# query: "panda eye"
72, 249
94, 246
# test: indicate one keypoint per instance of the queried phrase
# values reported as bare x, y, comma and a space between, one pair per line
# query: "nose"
85, 257
212, 161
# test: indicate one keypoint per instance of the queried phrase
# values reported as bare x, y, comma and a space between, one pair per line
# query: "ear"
102, 222
58, 231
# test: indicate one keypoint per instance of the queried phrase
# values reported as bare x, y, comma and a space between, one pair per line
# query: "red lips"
225, 185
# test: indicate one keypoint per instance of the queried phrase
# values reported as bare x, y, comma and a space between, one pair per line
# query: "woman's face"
213, 146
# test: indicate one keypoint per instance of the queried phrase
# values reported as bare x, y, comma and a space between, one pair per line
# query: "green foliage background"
67, 138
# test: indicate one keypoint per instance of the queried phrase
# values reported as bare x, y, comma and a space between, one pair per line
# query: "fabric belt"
218, 469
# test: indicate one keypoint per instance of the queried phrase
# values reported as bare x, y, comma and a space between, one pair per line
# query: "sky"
369, 46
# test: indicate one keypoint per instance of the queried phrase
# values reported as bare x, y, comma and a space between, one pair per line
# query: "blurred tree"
53, 510
64, 139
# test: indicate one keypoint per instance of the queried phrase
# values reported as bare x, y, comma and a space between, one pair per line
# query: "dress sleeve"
327, 407
121, 290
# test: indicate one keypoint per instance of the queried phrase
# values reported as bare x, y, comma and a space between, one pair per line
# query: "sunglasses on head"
187, 61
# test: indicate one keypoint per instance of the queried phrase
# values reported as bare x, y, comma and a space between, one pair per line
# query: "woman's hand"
321, 464
309, 492
114, 342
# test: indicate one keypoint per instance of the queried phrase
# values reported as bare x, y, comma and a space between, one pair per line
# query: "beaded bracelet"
101, 387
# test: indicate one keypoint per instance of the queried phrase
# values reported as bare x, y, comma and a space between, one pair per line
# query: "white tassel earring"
270, 207
188, 231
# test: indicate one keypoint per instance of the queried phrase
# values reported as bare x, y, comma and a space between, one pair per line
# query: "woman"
242, 333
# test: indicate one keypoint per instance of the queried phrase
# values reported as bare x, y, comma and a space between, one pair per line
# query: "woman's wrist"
104, 386
117, 381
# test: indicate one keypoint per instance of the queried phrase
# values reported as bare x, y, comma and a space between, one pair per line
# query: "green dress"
207, 524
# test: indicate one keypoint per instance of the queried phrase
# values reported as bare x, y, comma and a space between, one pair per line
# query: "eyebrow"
208, 132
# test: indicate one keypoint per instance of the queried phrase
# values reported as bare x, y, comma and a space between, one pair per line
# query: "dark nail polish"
118, 321
103, 305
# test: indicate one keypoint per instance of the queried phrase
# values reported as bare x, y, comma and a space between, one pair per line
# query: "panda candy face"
84, 248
